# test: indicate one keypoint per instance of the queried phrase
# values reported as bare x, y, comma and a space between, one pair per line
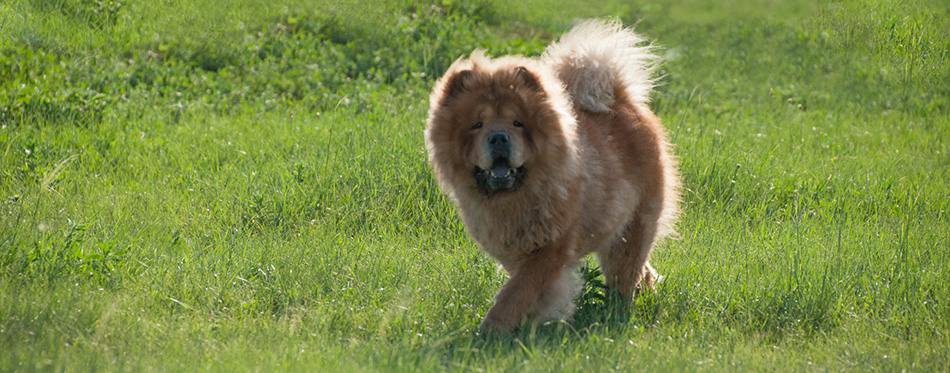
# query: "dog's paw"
651, 277
496, 324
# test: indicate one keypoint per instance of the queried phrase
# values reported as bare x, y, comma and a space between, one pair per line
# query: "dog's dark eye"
477, 126
519, 124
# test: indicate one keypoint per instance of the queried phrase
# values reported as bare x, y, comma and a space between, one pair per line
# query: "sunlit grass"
192, 185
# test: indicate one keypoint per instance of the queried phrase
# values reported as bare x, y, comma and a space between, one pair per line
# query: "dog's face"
485, 125
491, 134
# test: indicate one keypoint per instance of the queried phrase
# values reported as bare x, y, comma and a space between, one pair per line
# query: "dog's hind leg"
625, 263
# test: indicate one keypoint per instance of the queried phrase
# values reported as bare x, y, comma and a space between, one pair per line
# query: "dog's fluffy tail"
597, 58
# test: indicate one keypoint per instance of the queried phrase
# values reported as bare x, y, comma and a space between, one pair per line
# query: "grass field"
196, 185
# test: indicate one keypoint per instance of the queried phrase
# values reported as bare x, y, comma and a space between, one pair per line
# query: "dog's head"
489, 122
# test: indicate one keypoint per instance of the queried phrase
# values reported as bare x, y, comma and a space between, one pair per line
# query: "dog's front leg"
530, 278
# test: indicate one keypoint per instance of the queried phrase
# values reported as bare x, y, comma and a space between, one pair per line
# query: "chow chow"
553, 158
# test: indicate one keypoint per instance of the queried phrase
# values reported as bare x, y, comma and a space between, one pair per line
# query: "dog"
555, 157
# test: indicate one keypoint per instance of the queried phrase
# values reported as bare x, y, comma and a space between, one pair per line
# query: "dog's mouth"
500, 178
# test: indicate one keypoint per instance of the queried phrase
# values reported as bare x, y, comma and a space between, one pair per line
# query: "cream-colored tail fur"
596, 57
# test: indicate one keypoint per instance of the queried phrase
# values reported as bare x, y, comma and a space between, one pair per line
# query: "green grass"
194, 185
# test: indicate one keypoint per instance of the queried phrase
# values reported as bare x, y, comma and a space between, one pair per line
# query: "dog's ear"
528, 79
456, 85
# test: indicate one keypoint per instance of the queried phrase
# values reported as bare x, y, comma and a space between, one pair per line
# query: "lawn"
244, 186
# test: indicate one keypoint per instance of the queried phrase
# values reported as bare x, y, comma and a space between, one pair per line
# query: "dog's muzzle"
501, 177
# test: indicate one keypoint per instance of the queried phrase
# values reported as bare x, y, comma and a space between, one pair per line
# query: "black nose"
499, 145
498, 138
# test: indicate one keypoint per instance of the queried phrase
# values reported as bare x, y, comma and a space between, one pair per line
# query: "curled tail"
597, 59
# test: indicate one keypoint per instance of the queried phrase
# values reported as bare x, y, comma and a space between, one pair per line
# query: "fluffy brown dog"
552, 158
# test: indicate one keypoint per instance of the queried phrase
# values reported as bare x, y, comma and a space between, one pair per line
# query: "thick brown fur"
598, 173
